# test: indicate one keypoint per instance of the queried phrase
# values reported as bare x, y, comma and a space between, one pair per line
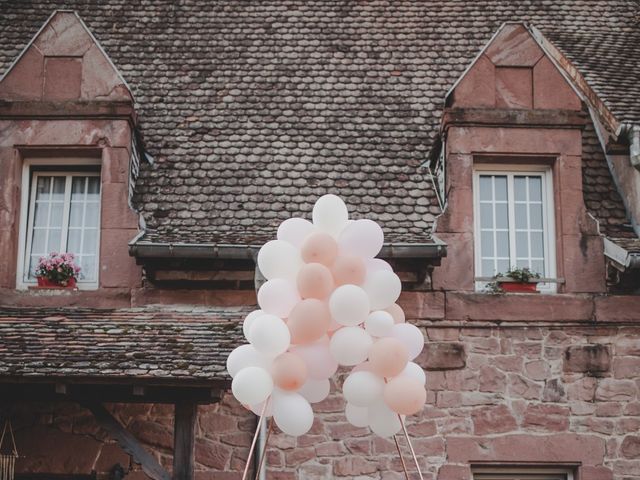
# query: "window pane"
535, 216
520, 213
522, 244
58, 189
43, 188
538, 267
487, 268
77, 187
487, 244
90, 241
502, 215
41, 214
75, 238
537, 245
486, 215
56, 215
485, 187
39, 241
500, 188
92, 215
94, 187
520, 188
75, 216
502, 244
87, 264
503, 266
54, 240
535, 189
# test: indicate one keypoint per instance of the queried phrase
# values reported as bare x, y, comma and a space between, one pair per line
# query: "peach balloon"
349, 270
319, 248
314, 281
396, 312
289, 371
404, 395
388, 357
362, 367
308, 321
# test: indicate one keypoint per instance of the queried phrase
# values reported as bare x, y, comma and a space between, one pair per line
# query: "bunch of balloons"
327, 302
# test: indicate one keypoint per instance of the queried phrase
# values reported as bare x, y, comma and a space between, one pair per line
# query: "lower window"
64, 216
499, 473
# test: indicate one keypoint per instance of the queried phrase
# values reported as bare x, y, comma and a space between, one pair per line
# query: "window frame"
523, 473
548, 216
60, 166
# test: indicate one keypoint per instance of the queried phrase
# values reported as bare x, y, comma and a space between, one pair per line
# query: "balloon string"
413, 453
264, 450
255, 439
404, 465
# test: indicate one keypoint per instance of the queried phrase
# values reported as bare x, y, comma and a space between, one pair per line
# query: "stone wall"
539, 393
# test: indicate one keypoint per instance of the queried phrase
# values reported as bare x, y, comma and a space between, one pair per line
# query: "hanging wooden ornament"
8, 460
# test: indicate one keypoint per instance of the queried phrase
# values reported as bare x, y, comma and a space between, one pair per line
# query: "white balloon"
330, 214
362, 388
383, 288
292, 413
350, 345
379, 323
349, 305
383, 421
357, 416
320, 363
375, 265
410, 336
315, 390
245, 356
279, 259
257, 408
363, 238
252, 385
278, 297
270, 335
295, 231
248, 321
415, 371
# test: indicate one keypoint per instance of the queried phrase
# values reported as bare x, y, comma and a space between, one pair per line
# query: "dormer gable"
513, 72
63, 62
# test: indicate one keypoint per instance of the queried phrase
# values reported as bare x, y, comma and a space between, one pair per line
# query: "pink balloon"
315, 281
388, 357
294, 231
289, 371
348, 269
278, 297
396, 312
410, 336
308, 321
319, 248
363, 238
320, 363
404, 395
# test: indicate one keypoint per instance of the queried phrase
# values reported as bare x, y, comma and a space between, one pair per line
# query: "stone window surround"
61, 158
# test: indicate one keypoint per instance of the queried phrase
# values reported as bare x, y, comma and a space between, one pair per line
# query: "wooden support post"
184, 440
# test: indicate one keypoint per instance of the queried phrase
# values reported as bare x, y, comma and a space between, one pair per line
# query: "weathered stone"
547, 417
442, 356
630, 447
490, 420
626, 367
353, 465
553, 391
618, 390
590, 359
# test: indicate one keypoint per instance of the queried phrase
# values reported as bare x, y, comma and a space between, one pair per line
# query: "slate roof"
160, 344
253, 109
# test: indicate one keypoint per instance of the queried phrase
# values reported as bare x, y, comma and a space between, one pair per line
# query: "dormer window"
514, 221
62, 215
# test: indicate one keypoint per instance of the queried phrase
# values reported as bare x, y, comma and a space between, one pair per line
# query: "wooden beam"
184, 440
127, 442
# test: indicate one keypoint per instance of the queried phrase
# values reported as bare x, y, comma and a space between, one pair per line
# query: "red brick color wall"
565, 395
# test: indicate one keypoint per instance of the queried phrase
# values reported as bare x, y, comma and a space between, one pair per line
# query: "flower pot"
44, 282
518, 287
